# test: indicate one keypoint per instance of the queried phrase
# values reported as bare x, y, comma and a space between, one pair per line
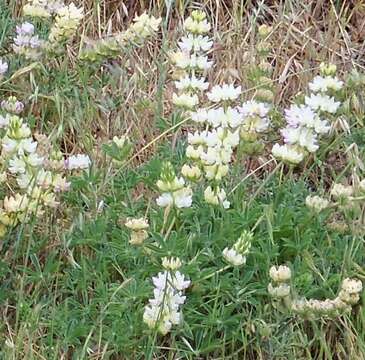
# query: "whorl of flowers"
138, 229
142, 28
38, 174
236, 256
305, 123
280, 276
66, 23
174, 191
163, 310
26, 43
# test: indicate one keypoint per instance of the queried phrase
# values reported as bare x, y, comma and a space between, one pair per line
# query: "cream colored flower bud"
341, 191
352, 286
171, 263
316, 203
328, 69
137, 224
264, 30
280, 274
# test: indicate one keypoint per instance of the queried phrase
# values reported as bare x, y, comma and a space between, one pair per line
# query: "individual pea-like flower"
17, 203
180, 198
316, 203
216, 196
287, 153
280, 274
192, 173
191, 83
233, 257
225, 92
3, 67
341, 191
196, 23
192, 43
185, 101
171, 263
79, 161
322, 103
324, 84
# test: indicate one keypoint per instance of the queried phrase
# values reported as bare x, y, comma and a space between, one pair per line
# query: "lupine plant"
236, 230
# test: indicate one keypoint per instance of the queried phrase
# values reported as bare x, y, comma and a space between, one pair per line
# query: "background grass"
71, 287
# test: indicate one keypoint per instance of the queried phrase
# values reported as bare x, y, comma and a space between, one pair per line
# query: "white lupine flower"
192, 82
302, 136
316, 203
224, 118
137, 224
3, 67
341, 191
233, 257
280, 274
194, 153
186, 61
254, 108
34, 160
287, 153
171, 186
17, 203
280, 291
4, 121
224, 92
79, 161
163, 310
322, 103
199, 116
180, 198
44, 179
192, 173
216, 172
191, 43
17, 165
323, 84
185, 100
196, 27
216, 197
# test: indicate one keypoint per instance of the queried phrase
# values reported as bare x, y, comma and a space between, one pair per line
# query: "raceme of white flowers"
163, 310
38, 173
307, 123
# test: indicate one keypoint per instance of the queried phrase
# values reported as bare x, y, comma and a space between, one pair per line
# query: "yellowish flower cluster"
42, 8
348, 296
138, 229
143, 27
280, 276
36, 173
67, 21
